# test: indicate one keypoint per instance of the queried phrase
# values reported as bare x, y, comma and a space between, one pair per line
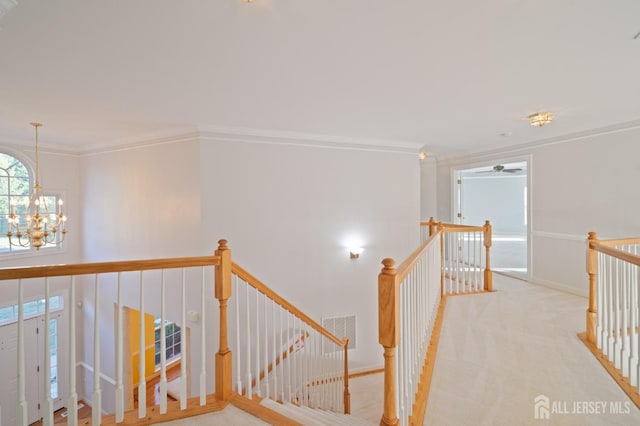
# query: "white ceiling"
452, 75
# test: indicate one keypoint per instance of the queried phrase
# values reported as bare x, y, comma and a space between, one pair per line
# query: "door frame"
456, 196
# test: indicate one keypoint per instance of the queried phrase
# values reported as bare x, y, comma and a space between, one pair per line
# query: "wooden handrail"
620, 241
106, 267
405, 267
449, 229
617, 253
262, 288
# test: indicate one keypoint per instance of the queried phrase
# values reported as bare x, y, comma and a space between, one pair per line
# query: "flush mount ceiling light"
539, 119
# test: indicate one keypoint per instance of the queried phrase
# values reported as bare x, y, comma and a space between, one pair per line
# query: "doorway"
34, 349
498, 192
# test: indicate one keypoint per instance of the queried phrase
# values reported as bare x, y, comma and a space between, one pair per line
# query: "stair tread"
314, 416
292, 413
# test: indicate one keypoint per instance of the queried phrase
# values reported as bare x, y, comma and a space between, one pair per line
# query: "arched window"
14, 185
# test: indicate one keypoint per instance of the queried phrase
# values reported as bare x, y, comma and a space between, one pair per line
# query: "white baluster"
293, 362
184, 355
626, 286
401, 354
238, 359
72, 417
288, 345
258, 344
248, 337
22, 412
610, 311
600, 306
633, 360
47, 419
142, 381
605, 303
96, 399
618, 339
203, 341
266, 348
119, 357
163, 346
275, 350
304, 365
281, 355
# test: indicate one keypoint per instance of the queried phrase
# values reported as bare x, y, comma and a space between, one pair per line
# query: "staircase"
313, 417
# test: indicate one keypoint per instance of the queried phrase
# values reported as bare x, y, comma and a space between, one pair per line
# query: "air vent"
340, 327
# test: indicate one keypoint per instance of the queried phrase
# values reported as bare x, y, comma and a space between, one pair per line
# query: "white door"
34, 332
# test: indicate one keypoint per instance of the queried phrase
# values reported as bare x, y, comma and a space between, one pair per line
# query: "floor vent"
342, 327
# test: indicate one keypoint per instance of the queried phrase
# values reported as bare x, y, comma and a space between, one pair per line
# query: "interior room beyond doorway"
498, 192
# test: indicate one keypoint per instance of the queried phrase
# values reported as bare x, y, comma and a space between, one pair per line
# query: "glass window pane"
30, 308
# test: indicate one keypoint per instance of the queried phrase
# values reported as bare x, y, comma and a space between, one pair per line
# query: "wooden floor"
153, 398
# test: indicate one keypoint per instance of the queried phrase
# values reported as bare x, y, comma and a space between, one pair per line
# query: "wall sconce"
355, 252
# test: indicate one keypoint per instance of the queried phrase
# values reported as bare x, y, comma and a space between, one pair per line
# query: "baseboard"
353, 374
368, 369
560, 287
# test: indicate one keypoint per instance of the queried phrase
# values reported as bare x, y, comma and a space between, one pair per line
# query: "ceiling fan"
499, 168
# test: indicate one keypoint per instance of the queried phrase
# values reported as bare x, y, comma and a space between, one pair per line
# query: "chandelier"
38, 226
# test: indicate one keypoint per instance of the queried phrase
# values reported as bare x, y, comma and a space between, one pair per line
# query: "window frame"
19, 252
156, 342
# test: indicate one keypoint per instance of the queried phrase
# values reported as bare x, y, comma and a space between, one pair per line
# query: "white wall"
142, 202
139, 203
428, 188
499, 199
289, 213
577, 186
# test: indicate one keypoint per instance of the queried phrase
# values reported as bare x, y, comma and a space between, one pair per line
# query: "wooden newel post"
592, 270
347, 395
488, 275
388, 335
432, 226
223, 293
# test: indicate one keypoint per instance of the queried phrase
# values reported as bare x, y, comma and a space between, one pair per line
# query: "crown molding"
528, 146
236, 134
245, 135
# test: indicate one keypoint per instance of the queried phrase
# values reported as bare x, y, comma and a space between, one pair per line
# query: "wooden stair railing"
107, 282
263, 363
463, 261
66, 278
613, 316
411, 302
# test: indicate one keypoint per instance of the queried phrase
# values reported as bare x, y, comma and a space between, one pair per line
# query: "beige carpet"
499, 351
